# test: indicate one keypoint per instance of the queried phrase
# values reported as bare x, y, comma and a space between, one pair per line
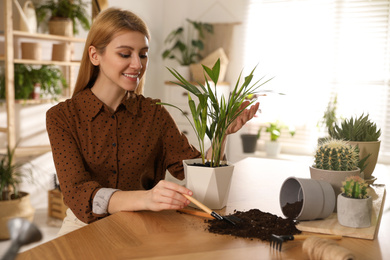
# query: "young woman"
111, 145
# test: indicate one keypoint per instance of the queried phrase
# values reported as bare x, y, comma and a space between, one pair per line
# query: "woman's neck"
112, 97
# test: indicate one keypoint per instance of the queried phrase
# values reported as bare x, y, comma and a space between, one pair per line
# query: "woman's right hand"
166, 195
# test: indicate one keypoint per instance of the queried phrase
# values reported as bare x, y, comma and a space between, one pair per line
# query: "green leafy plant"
185, 48
11, 174
75, 10
356, 129
354, 187
26, 76
212, 116
336, 155
275, 130
329, 118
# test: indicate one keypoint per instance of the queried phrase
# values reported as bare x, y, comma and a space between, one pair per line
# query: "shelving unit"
9, 60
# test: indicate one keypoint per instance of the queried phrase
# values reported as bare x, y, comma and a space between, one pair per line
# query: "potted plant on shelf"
334, 160
13, 203
212, 116
31, 82
273, 146
328, 120
363, 133
354, 205
185, 48
65, 16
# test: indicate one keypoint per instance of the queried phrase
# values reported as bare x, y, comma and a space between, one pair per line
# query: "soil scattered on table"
254, 224
292, 210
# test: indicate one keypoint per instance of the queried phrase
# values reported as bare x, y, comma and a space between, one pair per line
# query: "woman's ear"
93, 56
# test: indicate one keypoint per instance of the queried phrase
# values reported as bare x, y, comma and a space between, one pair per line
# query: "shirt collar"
93, 105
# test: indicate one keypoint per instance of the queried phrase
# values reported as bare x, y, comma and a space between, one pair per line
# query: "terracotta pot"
17, 208
365, 149
272, 148
209, 185
335, 178
355, 213
249, 142
317, 197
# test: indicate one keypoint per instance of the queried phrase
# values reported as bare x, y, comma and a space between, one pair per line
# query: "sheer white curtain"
316, 49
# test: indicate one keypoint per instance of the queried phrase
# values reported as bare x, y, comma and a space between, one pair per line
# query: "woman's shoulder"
69, 105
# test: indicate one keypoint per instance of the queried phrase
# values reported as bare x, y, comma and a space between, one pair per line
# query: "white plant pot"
335, 178
272, 148
209, 185
184, 71
355, 213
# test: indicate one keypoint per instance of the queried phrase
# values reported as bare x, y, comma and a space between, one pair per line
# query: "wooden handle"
303, 237
196, 213
197, 203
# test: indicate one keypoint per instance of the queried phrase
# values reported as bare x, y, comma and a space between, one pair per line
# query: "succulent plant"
354, 187
336, 155
356, 129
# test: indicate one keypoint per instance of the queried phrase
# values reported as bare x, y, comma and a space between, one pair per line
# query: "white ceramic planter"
318, 197
272, 148
354, 213
209, 185
184, 71
335, 178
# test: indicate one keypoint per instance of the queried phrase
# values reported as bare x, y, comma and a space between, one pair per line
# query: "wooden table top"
171, 235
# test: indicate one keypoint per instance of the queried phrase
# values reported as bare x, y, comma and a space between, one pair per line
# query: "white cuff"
101, 199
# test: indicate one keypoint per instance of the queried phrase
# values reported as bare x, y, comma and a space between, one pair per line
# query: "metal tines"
277, 241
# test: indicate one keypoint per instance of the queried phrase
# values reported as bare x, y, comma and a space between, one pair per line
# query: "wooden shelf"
35, 101
47, 62
29, 150
48, 37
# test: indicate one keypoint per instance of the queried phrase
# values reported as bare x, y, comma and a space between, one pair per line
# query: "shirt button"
113, 171
114, 144
113, 117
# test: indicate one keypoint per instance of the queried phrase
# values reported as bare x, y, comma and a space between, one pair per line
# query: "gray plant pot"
355, 213
317, 196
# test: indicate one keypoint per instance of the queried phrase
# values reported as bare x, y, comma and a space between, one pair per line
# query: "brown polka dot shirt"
129, 149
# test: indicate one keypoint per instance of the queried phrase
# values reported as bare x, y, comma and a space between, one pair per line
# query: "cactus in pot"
336, 155
364, 133
354, 205
334, 160
354, 187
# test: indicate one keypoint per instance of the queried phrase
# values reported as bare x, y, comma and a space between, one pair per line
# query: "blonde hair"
103, 29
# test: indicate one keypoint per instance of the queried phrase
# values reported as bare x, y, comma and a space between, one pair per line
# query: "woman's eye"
124, 55
143, 55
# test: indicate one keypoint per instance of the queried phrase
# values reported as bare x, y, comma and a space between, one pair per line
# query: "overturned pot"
315, 198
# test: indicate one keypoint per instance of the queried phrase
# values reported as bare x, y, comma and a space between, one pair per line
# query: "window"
317, 49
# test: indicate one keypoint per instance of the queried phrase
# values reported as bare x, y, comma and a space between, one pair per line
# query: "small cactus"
354, 187
336, 155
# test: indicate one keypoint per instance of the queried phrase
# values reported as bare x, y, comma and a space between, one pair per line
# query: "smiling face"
123, 62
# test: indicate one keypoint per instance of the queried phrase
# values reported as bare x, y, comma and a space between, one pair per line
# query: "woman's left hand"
245, 116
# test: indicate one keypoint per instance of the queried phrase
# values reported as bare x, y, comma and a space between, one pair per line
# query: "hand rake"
277, 241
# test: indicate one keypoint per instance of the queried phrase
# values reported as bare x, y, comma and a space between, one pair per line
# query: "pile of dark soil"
254, 224
292, 210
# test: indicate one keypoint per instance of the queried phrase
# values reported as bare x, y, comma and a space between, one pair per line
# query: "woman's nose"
136, 63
